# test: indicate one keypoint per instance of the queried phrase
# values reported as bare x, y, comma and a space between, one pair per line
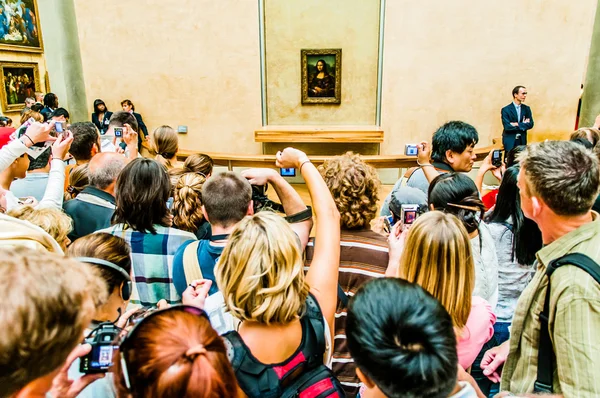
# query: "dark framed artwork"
20, 26
19, 80
321, 76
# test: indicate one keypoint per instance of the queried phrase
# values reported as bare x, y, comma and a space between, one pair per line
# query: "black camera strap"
303, 215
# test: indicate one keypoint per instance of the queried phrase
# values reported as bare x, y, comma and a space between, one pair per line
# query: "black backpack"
545, 370
302, 375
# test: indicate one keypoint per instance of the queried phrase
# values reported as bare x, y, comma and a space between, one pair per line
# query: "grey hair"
564, 174
102, 177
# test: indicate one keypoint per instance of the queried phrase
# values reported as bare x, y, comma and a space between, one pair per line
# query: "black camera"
497, 158
262, 202
104, 344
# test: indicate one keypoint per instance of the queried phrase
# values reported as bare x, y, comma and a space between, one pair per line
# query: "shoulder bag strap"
546, 356
191, 266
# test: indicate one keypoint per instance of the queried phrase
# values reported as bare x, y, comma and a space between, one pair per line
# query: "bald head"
104, 168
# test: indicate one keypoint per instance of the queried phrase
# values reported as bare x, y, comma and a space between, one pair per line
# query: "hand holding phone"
497, 158
287, 172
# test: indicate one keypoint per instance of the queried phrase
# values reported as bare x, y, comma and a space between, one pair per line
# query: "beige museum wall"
190, 62
461, 59
353, 26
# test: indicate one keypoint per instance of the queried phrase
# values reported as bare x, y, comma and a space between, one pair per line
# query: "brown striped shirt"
363, 256
574, 321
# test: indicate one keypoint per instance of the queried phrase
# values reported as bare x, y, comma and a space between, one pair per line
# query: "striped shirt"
574, 321
152, 262
363, 256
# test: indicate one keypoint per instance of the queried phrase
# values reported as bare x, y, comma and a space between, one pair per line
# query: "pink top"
478, 331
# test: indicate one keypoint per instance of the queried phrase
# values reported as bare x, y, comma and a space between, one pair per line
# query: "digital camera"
497, 158
409, 213
411, 150
104, 345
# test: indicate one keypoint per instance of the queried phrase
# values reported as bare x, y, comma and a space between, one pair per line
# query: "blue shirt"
518, 108
208, 255
34, 184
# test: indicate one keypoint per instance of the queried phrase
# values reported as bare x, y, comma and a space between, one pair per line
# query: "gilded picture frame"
19, 81
321, 71
20, 26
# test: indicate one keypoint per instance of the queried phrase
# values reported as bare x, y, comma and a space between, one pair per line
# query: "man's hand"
515, 124
64, 387
130, 137
61, 146
498, 172
39, 132
290, 157
196, 293
259, 176
526, 120
423, 153
486, 165
493, 359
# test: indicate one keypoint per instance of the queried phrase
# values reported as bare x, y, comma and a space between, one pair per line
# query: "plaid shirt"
574, 321
152, 260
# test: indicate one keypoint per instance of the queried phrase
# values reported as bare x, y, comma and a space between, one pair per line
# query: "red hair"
176, 354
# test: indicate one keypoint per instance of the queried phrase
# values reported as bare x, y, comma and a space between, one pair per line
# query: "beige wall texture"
461, 59
353, 26
190, 62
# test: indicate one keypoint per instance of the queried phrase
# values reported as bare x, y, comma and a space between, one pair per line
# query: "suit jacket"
142, 128
509, 115
102, 125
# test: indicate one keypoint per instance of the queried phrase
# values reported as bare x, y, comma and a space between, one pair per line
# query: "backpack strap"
546, 356
342, 296
407, 175
249, 372
315, 318
191, 266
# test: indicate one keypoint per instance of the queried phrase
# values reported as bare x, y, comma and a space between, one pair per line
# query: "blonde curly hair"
187, 202
54, 221
354, 186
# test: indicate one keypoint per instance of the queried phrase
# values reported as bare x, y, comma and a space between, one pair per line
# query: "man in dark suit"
516, 120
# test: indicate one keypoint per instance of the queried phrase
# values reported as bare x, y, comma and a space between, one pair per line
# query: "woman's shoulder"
482, 316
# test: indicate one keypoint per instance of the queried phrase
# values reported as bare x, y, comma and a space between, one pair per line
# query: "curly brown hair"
354, 186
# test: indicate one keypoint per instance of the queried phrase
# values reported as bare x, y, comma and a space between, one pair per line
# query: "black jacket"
91, 211
102, 125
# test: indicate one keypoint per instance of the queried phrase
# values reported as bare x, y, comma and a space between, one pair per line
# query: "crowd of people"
132, 276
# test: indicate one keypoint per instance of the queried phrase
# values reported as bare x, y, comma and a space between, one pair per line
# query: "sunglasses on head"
126, 341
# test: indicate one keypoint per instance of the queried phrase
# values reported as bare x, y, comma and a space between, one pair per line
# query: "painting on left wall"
19, 81
20, 26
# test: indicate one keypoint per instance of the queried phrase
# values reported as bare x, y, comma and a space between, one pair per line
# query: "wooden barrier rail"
231, 160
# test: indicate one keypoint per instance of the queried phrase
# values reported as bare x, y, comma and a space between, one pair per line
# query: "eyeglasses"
126, 341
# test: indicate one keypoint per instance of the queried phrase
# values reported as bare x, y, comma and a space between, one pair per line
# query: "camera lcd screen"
290, 172
102, 357
118, 132
410, 150
410, 216
59, 127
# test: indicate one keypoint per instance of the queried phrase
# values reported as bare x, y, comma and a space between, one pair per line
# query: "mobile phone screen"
290, 172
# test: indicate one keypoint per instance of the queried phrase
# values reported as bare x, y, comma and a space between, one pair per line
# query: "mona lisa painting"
321, 76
